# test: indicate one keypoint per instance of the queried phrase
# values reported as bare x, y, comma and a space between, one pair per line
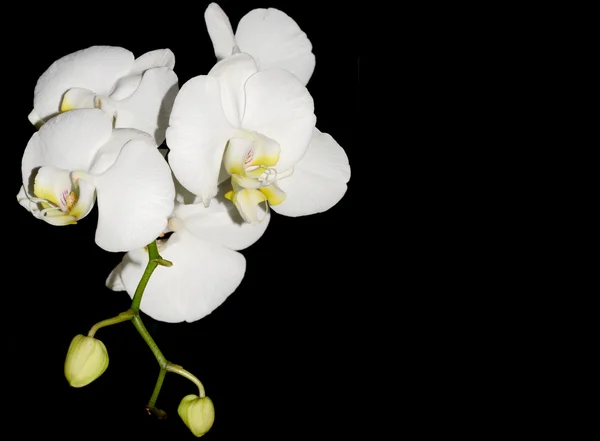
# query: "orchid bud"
197, 413
86, 360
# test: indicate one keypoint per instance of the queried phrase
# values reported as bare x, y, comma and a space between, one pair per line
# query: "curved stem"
181, 371
150, 267
139, 325
123, 317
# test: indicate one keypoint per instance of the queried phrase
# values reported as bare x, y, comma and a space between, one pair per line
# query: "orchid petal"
250, 150
54, 185
149, 107
85, 200
96, 68
197, 135
68, 141
279, 107
275, 195
232, 73
275, 40
246, 182
155, 58
27, 203
251, 204
319, 179
203, 275
126, 87
220, 31
114, 281
220, 223
235, 154
108, 153
58, 220
35, 119
64, 201
78, 98
135, 197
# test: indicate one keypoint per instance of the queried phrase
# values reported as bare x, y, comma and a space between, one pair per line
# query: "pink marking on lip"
63, 199
249, 157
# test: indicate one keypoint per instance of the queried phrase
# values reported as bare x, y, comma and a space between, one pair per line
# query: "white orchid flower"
77, 157
257, 125
272, 38
206, 269
137, 92
259, 128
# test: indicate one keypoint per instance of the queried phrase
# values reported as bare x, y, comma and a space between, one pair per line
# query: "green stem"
139, 325
150, 407
123, 317
150, 267
181, 371
159, 382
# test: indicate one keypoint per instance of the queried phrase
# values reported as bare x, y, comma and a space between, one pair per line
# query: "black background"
279, 358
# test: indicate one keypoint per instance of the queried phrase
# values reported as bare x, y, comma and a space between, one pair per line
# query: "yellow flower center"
250, 159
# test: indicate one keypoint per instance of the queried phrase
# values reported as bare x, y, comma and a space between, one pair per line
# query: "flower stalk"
154, 260
123, 317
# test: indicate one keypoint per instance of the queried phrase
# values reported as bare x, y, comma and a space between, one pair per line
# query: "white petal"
279, 107
135, 197
35, 119
26, 203
236, 153
64, 201
232, 73
203, 275
78, 98
220, 223
197, 135
68, 141
114, 280
156, 58
108, 153
219, 30
251, 204
319, 179
54, 185
275, 40
126, 86
96, 68
85, 203
149, 107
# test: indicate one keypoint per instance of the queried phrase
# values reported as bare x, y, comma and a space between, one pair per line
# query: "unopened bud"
197, 413
86, 360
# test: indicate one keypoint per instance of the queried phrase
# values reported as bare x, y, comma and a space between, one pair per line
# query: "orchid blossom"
137, 92
272, 38
77, 157
259, 128
239, 122
206, 269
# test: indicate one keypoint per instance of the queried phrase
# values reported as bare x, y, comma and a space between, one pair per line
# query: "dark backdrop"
279, 357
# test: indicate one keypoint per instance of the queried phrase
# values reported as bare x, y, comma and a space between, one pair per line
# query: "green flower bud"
86, 360
197, 413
